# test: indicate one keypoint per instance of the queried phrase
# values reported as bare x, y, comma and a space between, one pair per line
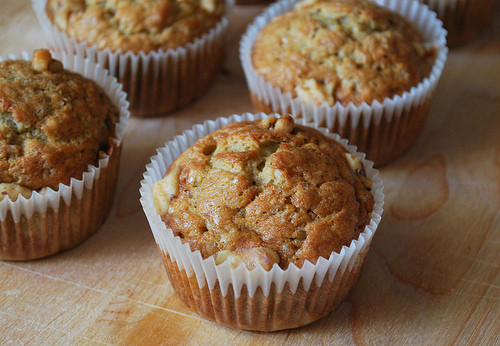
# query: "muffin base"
48, 232
162, 83
276, 311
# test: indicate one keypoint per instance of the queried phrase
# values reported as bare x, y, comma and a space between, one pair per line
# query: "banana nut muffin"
265, 192
341, 51
135, 25
53, 124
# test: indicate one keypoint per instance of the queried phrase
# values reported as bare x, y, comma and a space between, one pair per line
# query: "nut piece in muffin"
144, 25
329, 51
53, 124
265, 192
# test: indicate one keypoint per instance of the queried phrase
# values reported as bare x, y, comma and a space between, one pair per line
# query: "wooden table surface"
432, 275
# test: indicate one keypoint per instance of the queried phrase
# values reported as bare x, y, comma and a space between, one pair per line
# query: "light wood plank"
432, 276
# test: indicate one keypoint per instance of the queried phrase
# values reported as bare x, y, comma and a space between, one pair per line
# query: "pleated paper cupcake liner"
156, 82
382, 130
255, 299
49, 222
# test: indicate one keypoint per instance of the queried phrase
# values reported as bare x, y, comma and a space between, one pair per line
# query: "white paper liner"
364, 115
156, 82
205, 270
24, 208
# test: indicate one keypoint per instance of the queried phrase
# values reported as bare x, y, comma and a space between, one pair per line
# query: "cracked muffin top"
135, 25
265, 192
53, 124
341, 51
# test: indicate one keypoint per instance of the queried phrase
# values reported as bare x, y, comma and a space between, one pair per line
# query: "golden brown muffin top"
53, 123
341, 50
135, 25
265, 192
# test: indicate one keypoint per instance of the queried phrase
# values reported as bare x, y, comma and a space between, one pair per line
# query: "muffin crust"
341, 51
265, 192
53, 124
140, 25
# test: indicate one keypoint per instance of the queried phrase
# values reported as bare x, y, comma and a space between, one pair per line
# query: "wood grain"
432, 276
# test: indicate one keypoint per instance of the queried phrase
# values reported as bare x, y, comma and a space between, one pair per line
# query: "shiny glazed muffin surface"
53, 124
341, 51
140, 25
265, 192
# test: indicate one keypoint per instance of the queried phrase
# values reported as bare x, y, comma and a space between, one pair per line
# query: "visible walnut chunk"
354, 162
250, 257
268, 123
13, 191
43, 62
166, 189
284, 124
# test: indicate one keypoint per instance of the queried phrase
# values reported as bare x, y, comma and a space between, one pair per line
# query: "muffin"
166, 53
463, 19
263, 223
360, 68
60, 141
